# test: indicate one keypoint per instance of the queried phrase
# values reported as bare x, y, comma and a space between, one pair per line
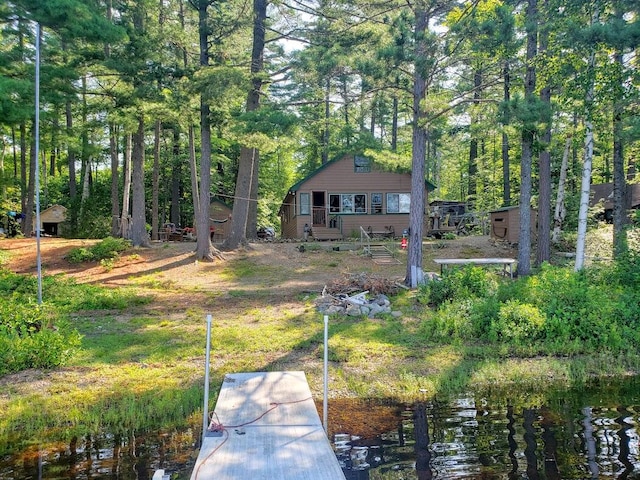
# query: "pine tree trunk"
139, 236
245, 201
71, 154
416, 210
472, 171
506, 162
28, 226
621, 201
394, 125
327, 118
155, 182
248, 157
194, 174
543, 245
125, 219
23, 173
85, 169
176, 179
528, 136
203, 245
115, 197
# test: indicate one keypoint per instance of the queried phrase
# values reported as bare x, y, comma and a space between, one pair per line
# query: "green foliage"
40, 336
106, 250
453, 320
46, 348
461, 283
79, 255
517, 322
557, 309
31, 335
627, 270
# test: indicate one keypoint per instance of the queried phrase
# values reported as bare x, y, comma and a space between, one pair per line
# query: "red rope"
219, 427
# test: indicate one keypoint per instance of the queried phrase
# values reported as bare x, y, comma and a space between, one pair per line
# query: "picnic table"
507, 263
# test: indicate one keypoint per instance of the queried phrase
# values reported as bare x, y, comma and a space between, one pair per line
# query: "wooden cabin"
345, 194
505, 224
603, 192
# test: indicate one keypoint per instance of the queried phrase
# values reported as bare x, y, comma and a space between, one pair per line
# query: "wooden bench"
388, 232
507, 263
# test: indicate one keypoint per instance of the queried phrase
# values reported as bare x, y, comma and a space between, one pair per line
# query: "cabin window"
305, 204
376, 203
361, 164
398, 202
348, 203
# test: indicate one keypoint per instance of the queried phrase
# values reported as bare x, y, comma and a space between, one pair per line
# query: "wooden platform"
270, 429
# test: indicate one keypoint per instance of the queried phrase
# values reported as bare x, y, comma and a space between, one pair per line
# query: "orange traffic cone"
403, 243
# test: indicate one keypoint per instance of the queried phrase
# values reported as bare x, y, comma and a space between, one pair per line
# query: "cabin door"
319, 209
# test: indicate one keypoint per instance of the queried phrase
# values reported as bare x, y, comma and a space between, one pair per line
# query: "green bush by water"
459, 284
555, 311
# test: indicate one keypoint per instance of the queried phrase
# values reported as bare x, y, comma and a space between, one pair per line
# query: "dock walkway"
267, 427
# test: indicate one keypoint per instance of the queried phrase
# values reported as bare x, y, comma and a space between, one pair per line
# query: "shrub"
483, 315
458, 284
557, 309
627, 270
451, 321
79, 255
31, 337
110, 247
517, 322
107, 249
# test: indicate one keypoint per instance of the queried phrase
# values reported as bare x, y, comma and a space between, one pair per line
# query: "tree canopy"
151, 108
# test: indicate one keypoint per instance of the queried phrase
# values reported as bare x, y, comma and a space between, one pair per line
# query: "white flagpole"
37, 160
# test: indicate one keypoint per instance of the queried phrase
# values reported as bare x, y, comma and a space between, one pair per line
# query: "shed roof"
505, 209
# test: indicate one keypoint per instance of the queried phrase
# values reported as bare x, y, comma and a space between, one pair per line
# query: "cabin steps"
326, 233
381, 255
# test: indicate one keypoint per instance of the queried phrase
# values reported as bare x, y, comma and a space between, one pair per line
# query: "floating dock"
265, 426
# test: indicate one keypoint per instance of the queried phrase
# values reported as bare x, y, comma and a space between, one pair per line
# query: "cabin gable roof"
350, 158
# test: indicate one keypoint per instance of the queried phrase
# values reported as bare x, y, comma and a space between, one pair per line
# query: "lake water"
570, 434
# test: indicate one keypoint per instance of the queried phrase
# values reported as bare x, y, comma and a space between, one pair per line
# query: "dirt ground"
177, 281
251, 279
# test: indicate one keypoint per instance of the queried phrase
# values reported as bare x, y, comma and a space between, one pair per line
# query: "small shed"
51, 220
505, 224
219, 219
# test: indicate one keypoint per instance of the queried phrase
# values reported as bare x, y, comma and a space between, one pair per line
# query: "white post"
326, 374
37, 160
205, 410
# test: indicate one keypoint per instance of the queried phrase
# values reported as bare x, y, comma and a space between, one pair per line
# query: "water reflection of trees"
463, 438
